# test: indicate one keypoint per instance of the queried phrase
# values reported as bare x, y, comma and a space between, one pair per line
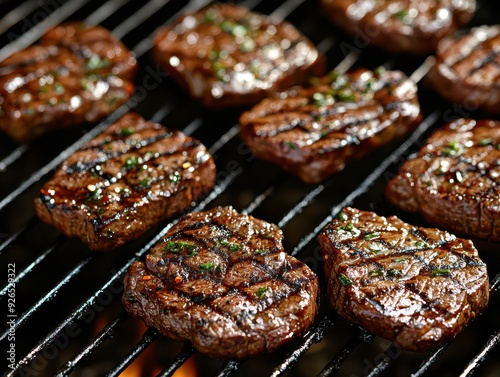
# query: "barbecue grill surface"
68, 315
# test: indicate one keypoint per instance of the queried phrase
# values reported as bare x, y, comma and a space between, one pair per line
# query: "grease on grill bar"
70, 320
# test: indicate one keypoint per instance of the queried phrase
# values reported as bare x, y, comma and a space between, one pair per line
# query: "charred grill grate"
68, 318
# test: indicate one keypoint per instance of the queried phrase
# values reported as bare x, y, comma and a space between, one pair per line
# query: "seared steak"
454, 181
418, 287
225, 55
414, 26
124, 181
221, 280
467, 69
313, 131
76, 74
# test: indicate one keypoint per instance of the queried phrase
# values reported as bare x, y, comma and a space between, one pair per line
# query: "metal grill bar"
186, 352
481, 356
104, 11
149, 337
48, 296
336, 363
52, 20
105, 334
17, 14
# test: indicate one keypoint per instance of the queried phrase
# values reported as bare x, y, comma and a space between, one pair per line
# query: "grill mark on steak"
467, 69
454, 179
229, 274
314, 131
417, 295
114, 188
227, 56
76, 74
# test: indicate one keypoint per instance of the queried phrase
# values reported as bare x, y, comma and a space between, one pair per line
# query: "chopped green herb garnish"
127, 131
320, 99
380, 70
144, 184
95, 62
377, 272
230, 246
440, 272
94, 196
349, 228
231, 292
175, 177
247, 45
131, 162
344, 280
375, 248
291, 145
209, 16
393, 272
371, 236
43, 89
178, 246
485, 141
403, 16
497, 146
261, 251
59, 89
452, 149
342, 216
399, 260
420, 243
261, 292
209, 266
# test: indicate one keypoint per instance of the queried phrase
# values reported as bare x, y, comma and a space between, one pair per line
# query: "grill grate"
70, 320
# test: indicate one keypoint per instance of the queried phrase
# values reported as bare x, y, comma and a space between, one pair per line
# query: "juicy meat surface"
418, 287
414, 26
226, 55
221, 280
76, 74
125, 181
314, 131
454, 181
467, 69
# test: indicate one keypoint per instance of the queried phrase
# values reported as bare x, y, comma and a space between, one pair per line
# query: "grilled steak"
225, 55
414, 26
221, 280
76, 74
418, 287
454, 180
467, 69
313, 131
125, 181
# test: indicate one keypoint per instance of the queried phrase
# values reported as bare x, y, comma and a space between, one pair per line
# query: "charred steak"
454, 181
414, 26
124, 181
76, 74
467, 69
221, 280
226, 55
418, 287
313, 131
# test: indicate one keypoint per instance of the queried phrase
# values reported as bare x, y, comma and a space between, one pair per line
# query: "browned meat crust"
414, 26
221, 280
76, 74
454, 180
467, 69
418, 287
125, 181
226, 56
314, 131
